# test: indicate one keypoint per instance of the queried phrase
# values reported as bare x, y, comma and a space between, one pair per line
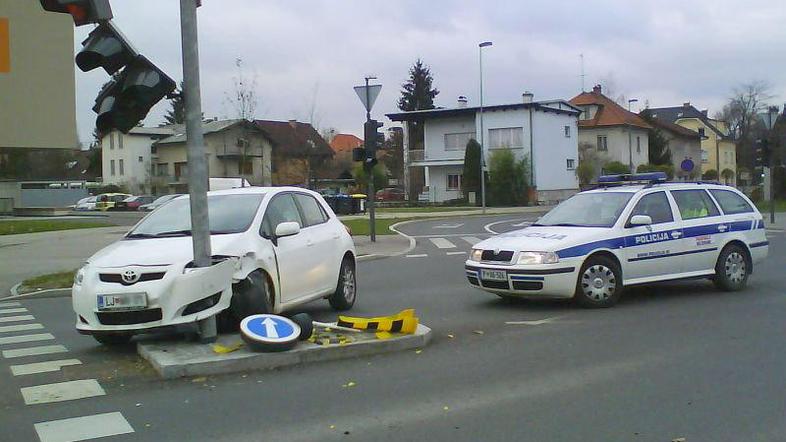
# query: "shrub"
668, 169
615, 167
710, 175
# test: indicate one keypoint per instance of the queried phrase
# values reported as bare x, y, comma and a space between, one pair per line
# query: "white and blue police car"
632, 229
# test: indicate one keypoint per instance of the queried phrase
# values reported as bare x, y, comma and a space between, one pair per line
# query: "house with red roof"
614, 132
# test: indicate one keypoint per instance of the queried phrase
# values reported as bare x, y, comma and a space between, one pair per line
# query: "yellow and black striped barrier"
404, 321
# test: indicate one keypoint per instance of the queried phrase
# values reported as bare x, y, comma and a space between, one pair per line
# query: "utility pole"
197, 163
370, 176
372, 141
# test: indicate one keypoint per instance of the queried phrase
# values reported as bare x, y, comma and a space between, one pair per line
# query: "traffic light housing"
373, 140
104, 48
82, 11
763, 153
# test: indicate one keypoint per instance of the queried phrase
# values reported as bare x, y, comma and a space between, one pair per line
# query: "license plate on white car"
493, 275
126, 301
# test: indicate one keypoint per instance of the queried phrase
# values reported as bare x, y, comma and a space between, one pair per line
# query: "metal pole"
772, 193
197, 163
370, 177
482, 148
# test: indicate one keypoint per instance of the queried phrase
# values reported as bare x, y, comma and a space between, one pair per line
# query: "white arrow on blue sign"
269, 328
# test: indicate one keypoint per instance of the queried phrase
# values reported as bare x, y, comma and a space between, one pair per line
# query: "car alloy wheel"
348, 278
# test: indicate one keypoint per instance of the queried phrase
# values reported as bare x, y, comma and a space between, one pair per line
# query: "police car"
631, 229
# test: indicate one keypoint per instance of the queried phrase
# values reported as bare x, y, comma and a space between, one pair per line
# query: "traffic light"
105, 48
763, 153
358, 154
82, 11
373, 140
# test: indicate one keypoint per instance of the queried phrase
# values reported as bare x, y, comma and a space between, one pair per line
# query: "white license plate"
493, 275
126, 301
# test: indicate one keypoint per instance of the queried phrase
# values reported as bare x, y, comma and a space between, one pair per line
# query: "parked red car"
390, 194
133, 202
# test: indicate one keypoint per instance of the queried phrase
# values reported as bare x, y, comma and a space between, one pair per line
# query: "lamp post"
482, 148
630, 139
769, 121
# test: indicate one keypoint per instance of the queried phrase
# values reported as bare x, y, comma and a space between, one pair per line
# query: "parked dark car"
133, 202
158, 202
390, 194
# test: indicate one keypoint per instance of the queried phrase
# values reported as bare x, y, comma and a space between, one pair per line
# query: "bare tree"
243, 98
741, 113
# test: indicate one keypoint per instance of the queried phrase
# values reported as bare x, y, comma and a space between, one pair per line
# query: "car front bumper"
181, 296
531, 281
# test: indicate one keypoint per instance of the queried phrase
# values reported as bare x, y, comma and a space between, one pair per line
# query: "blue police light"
649, 177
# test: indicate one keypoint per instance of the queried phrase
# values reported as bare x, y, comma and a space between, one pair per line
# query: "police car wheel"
599, 284
346, 290
252, 296
732, 269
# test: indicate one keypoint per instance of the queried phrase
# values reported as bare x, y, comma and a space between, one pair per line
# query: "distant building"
127, 159
684, 144
615, 133
718, 150
543, 131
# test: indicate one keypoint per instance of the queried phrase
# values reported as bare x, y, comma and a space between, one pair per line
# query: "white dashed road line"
26, 338
472, 240
9, 304
8, 311
21, 327
62, 391
421, 255
442, 243
42, 367
83, 428
34, 351
16, 318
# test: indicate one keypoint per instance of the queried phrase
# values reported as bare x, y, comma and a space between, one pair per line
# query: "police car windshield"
595, 209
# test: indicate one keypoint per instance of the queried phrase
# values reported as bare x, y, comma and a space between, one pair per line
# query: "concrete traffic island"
174, 359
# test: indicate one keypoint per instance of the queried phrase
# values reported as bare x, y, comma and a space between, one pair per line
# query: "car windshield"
595, 209
226, 214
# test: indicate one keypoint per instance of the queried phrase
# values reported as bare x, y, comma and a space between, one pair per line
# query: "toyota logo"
129, 276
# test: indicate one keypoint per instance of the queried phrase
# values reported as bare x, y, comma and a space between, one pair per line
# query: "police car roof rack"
625, 179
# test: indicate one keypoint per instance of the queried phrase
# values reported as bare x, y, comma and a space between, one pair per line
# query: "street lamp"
630, 139
632, 100
482, 149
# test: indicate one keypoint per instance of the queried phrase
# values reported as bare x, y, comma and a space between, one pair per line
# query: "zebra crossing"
35, 354
445, 245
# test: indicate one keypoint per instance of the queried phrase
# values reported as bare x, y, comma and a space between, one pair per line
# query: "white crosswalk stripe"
16, 318
83, 428
9, 304
421, 255
472, 240
456, 253
442, 243
26, 338
62, 391
8, 311
21, 327
34, 351
42, 367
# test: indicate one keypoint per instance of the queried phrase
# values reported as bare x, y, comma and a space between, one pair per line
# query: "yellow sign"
5, 46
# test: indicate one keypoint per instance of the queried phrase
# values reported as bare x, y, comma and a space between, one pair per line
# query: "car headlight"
537, 258
476, 255
79, 276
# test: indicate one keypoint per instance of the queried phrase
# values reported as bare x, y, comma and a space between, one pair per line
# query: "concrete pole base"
207, 330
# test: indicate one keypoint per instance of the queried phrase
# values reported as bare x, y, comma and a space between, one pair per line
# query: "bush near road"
14, 227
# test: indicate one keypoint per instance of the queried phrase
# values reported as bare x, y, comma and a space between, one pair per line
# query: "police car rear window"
730, 202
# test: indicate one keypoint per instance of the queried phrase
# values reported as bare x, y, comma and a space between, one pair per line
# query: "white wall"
136, 174
617, 140
434, 136
553, 149
438, 183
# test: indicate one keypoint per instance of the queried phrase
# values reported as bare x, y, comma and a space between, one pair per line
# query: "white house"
126, 158
543, 131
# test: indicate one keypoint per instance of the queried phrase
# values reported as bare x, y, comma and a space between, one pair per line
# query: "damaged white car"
273, 249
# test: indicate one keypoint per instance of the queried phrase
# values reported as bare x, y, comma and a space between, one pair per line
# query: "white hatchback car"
274, 249
599, 241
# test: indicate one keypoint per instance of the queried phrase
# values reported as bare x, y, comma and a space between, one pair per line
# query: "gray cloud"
313, 52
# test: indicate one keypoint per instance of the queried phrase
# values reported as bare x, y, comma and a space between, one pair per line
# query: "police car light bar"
649, 177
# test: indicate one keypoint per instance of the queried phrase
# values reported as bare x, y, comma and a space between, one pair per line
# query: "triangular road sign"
369, 98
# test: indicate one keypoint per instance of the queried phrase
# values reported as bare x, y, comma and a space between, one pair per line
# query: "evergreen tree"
177, 114
659, 152
470, 180
417, 93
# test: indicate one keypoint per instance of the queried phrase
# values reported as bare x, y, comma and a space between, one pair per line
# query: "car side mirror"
287, 229
640, 220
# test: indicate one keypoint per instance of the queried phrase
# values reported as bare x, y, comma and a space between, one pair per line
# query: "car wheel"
346, 290
732, 269
251, 297
112, 338
599, 284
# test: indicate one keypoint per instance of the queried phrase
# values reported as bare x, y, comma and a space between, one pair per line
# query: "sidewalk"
385, 246
455, 213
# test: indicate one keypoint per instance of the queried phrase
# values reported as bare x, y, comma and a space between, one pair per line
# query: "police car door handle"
722, 227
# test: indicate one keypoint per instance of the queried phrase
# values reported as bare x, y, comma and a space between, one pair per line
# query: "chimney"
597, 89
686, 104
293, 123
704, 112
526, 97
462, 102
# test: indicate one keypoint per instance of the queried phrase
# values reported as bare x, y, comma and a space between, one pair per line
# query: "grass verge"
50, 281
15, 227
362, 226
424, 209
764, 206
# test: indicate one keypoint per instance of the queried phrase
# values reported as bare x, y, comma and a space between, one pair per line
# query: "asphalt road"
676, 360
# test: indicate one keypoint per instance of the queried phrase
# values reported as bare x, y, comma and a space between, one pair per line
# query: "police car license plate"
126, 301
493, 275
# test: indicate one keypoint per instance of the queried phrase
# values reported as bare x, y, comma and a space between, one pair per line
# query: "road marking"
26, 338
83, 428
422, 255
62, 391
8, 311
449, 235
538, 322
472, 240
522, 224
449, 226
9, 304
456, 253
21, 327
42, 367
487, 227
442, 243
17, 318
34, 351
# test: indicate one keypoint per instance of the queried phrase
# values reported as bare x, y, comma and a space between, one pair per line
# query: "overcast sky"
309, 54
